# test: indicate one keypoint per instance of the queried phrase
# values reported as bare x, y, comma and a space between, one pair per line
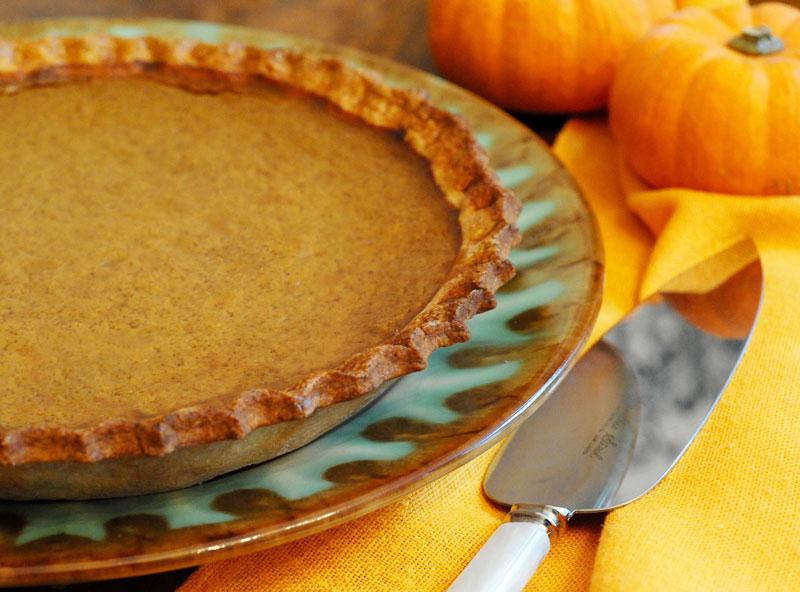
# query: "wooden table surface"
392, 28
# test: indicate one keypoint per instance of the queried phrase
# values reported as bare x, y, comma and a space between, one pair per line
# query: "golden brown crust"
486, 216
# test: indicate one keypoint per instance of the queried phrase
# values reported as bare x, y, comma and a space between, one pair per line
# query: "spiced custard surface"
163, 247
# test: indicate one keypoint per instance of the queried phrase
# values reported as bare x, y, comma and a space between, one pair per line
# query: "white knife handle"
507, 560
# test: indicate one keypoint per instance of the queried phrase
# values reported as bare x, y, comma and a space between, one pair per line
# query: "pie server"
610, 432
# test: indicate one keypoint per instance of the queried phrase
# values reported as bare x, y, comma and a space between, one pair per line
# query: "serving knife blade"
607, 435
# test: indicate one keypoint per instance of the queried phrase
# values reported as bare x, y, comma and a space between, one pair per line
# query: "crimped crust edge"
487, 213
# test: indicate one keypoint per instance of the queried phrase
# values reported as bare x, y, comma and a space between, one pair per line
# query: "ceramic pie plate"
422, 427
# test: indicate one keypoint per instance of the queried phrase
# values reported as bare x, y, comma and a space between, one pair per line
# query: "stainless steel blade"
598, 403
599, 442
681, 372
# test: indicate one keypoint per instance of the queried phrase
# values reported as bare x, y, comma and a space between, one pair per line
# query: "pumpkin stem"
756, 41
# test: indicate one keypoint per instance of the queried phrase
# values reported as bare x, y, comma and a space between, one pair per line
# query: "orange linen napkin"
698, 529
726, 516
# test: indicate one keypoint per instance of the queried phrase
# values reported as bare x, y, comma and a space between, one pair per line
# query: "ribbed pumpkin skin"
688, 111
552, 56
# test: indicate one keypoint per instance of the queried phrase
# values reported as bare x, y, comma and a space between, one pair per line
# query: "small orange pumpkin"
538, 55
710, 100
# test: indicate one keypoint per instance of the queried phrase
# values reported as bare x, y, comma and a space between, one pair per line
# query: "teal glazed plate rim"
425, 425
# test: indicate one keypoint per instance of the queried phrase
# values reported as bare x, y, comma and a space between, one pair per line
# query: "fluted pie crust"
33, 458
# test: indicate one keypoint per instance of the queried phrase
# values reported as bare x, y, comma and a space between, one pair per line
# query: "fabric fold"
727, 517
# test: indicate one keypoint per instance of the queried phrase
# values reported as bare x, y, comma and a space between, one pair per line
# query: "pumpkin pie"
211, 254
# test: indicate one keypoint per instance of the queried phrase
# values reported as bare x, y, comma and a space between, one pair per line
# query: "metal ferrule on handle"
512, 554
